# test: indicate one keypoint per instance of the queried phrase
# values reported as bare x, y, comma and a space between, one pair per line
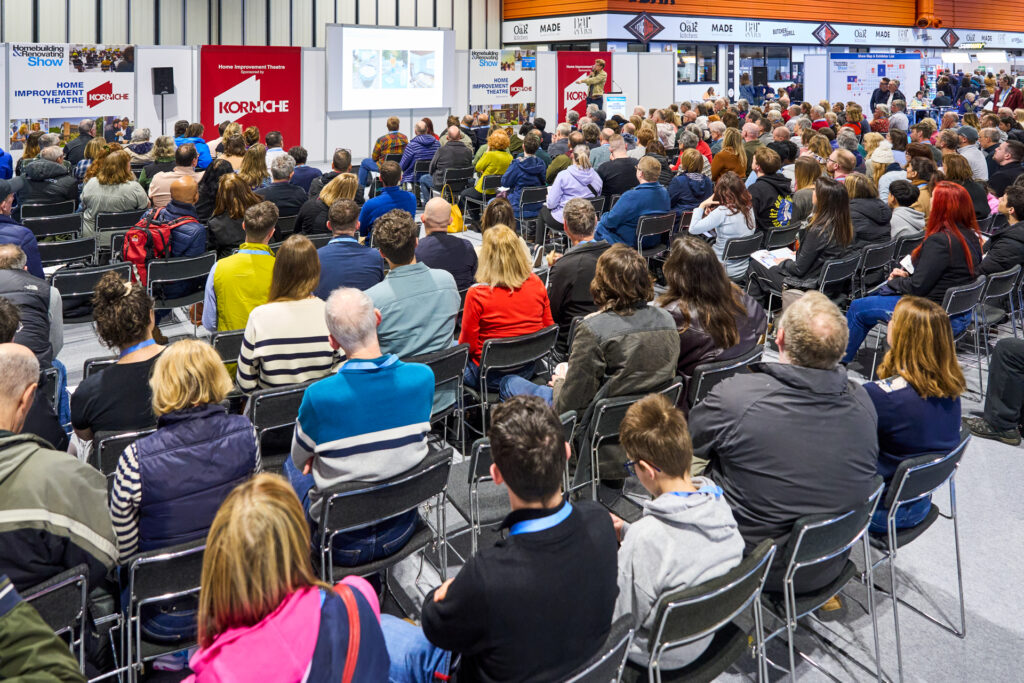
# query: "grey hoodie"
905, 221
681, 540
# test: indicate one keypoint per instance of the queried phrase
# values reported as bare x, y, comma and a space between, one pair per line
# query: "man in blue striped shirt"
368, 422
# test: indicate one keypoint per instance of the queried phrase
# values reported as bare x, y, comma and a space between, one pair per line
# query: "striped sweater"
285, 343
367, 422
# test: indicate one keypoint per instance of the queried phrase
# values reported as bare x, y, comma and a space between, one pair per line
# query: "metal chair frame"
75, 576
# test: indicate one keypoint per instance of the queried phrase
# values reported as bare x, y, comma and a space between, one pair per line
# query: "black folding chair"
780, 237
42, 210
48, 386
614, 199
107, 448
997, 302
608, 662
285, 227
82, 250
397, 158
602, 429
506, 354
320, 241
187, 269
816, 539
914, 480
113, 223
529, 199
653, 225
76, 284
708, 609
273, 413
874, 258
154, 577
52, 226
835, 272
741, 248
906, 244
94, 365
707, 375
449, 368
61, 602
228, 344
489, 185
457, 180
598, 204
358, 505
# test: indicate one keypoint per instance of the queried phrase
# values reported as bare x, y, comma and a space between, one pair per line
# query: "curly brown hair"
122, 311
621, 282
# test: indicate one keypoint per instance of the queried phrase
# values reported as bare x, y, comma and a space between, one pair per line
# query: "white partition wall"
314, 104
625, 77
547, 88
183, 104
656, 78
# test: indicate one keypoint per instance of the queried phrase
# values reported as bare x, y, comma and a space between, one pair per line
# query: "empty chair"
76, 285
190, 269
707, 375
228, 344
489, 184
873, 259
651, 226
285, 226
51, 226
273, 413
81, 250
39, 210
449, 368
456, 179
61, 602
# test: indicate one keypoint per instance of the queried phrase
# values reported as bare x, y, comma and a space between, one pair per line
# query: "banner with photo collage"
504, 84
53, 86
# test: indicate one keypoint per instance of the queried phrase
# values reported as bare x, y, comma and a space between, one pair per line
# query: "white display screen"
386, 68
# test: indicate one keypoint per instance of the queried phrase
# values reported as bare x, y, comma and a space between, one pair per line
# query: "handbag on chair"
457, 224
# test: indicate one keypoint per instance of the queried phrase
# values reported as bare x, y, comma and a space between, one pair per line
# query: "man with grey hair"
988, 140
690, 140
445, 157
53, 506
288, 198
48, 179
140, 149
717, 130
367, 422
74, 151
751, 434
422, 147
898, 118
602, 153
572, 117
560, 140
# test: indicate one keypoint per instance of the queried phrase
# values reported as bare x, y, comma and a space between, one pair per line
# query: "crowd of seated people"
344, 317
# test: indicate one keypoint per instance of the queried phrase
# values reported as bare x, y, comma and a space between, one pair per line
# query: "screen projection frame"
335, 54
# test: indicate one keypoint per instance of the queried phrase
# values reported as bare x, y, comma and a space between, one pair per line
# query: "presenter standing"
595, 84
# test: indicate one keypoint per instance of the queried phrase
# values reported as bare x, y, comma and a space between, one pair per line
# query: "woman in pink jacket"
263, 614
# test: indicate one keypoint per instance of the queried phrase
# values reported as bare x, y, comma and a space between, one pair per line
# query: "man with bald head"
53, 507
185, 159
188, 235
446, 157
440, 250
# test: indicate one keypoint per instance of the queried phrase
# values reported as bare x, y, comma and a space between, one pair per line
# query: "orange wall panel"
976, 14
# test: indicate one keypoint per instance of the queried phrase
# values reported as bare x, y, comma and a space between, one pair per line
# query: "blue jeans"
514, 385
472, 375
868, 311
377, 541
907, 516
366, 167
426, 187
414, 659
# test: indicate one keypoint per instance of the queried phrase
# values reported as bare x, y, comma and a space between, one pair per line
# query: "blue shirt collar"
363, 364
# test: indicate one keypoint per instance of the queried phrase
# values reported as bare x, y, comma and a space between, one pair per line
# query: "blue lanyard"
254, 251
582, 242
530, 526
716, 491
136, 347
343, 239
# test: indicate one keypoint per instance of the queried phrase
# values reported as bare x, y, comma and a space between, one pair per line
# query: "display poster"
572, 66
502, 77
53, 86
253, 86
615, 104
853, 77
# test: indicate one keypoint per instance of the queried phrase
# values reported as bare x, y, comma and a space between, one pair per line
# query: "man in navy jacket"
420, 148
649, 197
12, 232
391, 197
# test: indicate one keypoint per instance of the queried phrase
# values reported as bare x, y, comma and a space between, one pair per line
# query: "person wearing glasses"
687, 519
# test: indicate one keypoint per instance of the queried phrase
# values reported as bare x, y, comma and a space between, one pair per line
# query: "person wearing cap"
595, 84
12, 232
968, 149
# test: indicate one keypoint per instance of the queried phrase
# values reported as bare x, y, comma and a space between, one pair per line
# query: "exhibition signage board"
572, 96
253, 86
53, 86
854, 77
678, 28
501, 77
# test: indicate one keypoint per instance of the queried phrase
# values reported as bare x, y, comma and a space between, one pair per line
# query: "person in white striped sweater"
286, 339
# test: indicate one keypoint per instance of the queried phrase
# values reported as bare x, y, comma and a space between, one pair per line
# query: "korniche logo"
104, 93
517, 87
244, 98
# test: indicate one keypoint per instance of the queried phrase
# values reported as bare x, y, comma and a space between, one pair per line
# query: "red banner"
571, 67
255, 86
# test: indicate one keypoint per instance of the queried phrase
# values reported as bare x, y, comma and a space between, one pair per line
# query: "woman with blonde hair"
806, 170
494, 161
92, 150
114, 189
918, 402
254, 167
224, 231
232, 129
508, 300
286, 339
870, 144
312, 218
732, 156
263, 612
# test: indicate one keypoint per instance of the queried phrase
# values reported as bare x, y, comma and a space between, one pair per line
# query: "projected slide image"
395, 69
421, 69
365, 69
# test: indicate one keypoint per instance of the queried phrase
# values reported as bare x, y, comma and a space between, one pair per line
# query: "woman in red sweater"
507, 301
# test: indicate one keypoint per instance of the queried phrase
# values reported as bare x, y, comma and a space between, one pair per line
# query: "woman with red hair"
948, 257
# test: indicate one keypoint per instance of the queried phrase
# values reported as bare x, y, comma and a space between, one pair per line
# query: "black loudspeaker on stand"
163, 84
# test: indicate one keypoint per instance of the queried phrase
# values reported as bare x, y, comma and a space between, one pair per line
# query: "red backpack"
149, 239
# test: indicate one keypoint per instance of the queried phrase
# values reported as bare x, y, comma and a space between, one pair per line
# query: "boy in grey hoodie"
687, 534
905, 220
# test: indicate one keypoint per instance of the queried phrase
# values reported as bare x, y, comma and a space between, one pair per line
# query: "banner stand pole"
163, 119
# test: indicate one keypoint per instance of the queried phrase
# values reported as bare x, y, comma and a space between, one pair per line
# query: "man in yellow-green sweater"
241, 282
